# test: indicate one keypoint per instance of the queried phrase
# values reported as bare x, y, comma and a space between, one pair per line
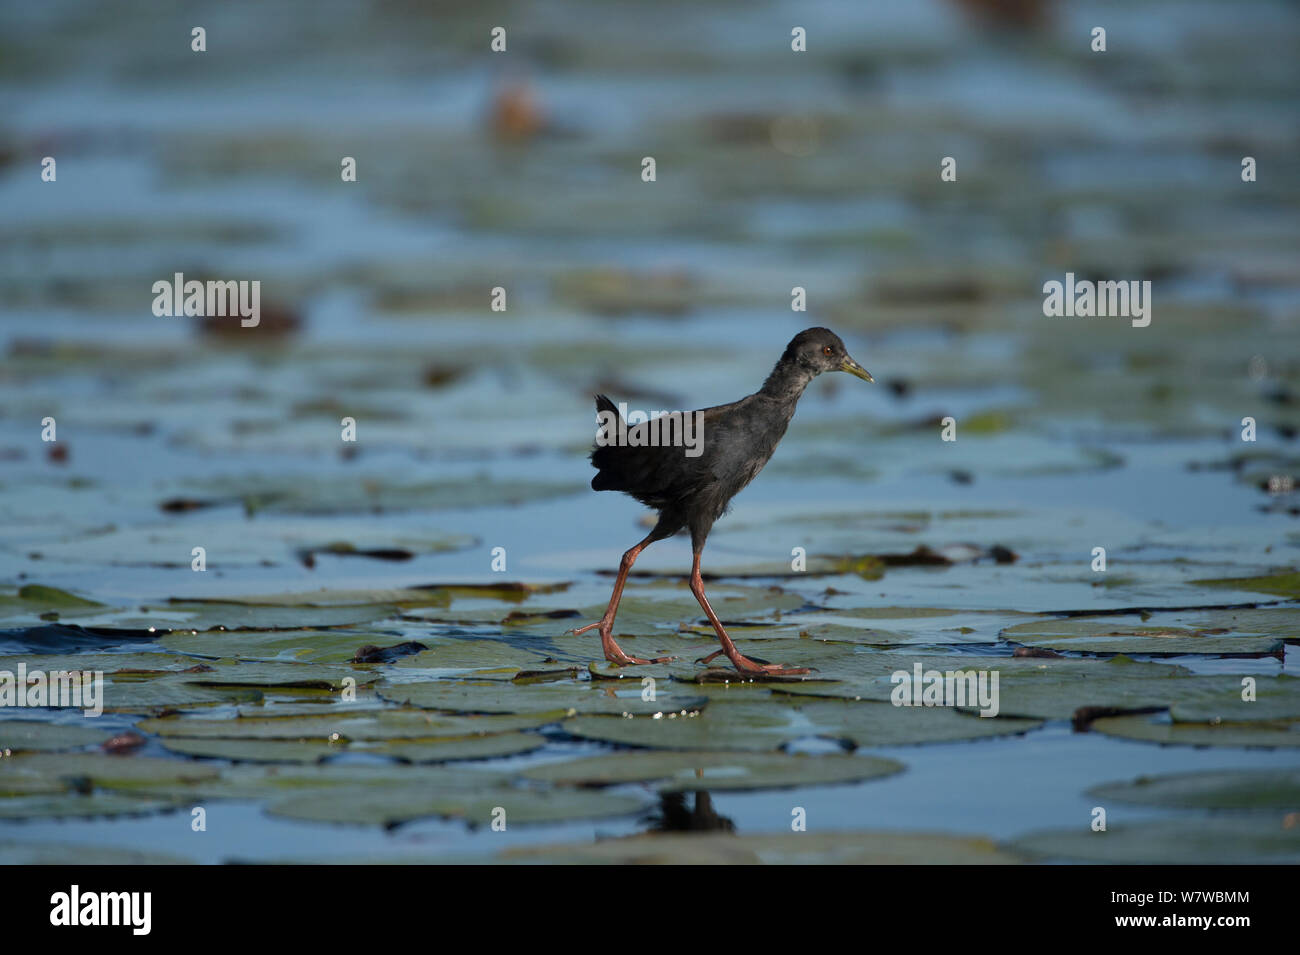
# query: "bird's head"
819, 350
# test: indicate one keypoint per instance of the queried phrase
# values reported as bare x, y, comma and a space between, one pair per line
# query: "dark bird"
690, 476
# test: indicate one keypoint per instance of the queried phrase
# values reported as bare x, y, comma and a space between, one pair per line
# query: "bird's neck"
787, 381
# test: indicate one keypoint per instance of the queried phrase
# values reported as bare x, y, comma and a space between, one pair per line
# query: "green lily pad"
106, 663
452, 748
313, 751
47, 596
344, 726
761, 725
1285, 584
1158, 729
309, 676
134, 682
76, 805
28, 603
569, 697
216, 617
96, 769
296, 646
714, 771
255, 750
42, 853
319, 599
141, 694
1092, 635
735, 726
1030, 687
455, 654
1276, 698
1254, 839
1217, 789
883, 724
792, 848
26, 735
390, 805
256, 780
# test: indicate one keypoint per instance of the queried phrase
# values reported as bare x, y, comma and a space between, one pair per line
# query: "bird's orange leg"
605, 625
739, 661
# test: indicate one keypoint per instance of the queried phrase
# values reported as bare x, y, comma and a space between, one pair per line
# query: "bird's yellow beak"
853, 368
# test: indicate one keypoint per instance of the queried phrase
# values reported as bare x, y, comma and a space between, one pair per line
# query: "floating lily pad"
1276, 698
465, 747
1092, 635
107, 663
761, 725
735, 726
31, 601
76, 805
313, 751
569, 697
883, 724
86, 770
1218, 789
147, 694
39, 594
320, 599
1255, 839
1159, 729
1285, 584
454, 654
714, 771
307, 676
305, 646
140, 692
344, 726
44, 853
255, 780
1027, 687
389, 805
219, 616
793, 848
25, 735
255, 750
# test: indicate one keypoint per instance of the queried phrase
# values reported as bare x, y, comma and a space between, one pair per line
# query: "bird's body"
739, 439
694, 490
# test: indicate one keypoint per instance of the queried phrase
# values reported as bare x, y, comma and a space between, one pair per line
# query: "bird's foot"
614, 653
602, 623
746, 665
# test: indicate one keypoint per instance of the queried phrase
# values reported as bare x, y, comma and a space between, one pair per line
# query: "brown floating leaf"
123, 743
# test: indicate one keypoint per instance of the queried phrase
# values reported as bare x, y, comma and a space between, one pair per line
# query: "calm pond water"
522, 171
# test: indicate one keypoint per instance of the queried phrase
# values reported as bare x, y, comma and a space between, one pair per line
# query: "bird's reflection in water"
674, 815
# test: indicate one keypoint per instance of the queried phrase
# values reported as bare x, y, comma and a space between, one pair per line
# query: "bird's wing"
656, 474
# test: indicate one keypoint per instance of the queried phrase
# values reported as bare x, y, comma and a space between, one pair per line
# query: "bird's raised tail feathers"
603, 456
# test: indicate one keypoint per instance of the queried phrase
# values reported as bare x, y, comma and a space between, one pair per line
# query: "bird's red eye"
828, 351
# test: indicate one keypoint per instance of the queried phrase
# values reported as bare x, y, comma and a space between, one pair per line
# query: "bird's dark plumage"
694, 489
